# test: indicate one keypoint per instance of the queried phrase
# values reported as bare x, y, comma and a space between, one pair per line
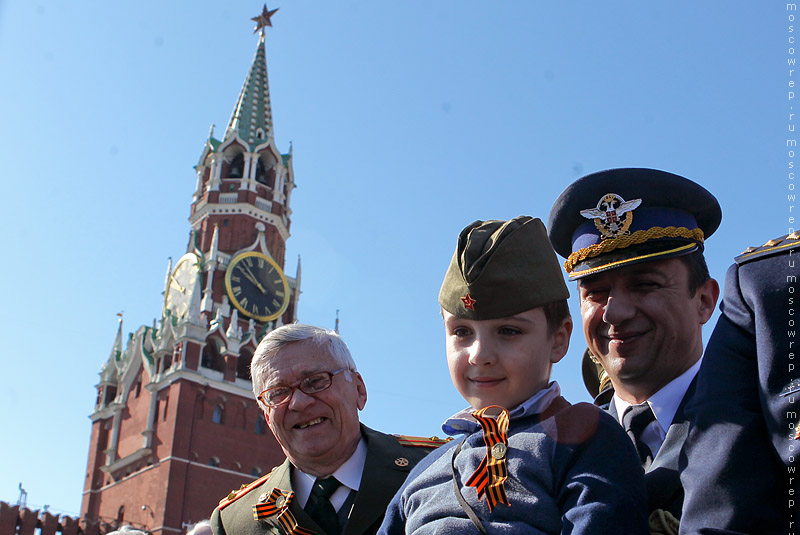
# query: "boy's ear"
560, 339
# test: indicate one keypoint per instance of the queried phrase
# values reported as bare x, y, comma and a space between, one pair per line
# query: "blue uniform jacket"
741, 446
662, 478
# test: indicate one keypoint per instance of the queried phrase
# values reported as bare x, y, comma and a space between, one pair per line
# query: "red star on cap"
469, 302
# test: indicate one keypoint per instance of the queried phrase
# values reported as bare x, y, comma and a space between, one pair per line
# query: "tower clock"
256, 286
180, 285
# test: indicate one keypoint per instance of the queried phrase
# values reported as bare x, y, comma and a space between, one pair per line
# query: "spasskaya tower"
175, 426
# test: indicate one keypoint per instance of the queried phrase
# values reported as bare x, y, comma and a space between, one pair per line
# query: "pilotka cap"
502, 268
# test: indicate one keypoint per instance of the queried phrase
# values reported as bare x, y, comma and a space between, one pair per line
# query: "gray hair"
201, 528
271, 344
127, 530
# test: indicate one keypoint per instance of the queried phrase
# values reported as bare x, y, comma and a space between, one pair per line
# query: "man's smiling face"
320, 431
643, 323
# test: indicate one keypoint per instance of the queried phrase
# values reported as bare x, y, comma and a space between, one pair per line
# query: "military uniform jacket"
740, 451
386, 467
662, 478
571, 469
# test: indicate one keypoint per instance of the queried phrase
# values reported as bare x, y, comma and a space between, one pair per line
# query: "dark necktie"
634, 420
319, 506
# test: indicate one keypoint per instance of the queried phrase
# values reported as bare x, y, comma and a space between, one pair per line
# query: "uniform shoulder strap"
421, 442
244, 489
771, 247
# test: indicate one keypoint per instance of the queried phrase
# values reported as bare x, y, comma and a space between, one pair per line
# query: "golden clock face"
181, 283
256, 286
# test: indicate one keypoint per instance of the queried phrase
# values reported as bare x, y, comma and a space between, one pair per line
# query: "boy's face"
503, 361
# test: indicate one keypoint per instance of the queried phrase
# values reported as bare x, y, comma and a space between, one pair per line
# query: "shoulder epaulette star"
244, 489
774, 246
421, 442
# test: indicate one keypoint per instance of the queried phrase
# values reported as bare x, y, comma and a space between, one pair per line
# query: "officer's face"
642, 324
317, 432
502, 361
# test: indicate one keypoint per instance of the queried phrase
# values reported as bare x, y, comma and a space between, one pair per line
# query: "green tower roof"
252, 116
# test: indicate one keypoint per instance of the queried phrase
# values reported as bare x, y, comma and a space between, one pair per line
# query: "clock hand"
181, 288
252, 278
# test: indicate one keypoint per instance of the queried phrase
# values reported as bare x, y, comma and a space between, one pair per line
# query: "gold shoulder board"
421, 442
771, 247
244, 489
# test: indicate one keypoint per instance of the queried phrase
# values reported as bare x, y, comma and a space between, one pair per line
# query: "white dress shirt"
349, 475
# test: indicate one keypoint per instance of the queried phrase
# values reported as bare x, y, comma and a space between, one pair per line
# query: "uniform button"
401, 461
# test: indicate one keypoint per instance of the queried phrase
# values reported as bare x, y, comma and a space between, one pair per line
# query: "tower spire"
116, 349
252, 115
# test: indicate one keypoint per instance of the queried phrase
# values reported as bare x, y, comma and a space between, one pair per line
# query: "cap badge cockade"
613, 215
469, 302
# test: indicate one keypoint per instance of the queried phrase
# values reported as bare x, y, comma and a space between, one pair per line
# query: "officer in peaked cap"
743, 441
633, 240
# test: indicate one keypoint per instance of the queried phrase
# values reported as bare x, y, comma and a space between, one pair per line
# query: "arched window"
120, 514
214, 461
217, 416
261, 172
261, 425
243, 364
237, 167
255, 472
212, 358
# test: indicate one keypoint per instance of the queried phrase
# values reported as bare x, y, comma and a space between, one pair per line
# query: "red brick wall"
180, 487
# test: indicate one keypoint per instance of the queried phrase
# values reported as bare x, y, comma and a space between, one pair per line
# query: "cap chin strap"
619, 263
638, 237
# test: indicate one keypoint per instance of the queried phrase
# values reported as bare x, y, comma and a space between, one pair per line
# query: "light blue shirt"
664, 405
463, 422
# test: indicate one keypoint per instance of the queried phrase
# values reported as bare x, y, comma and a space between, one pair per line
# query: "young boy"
528, 462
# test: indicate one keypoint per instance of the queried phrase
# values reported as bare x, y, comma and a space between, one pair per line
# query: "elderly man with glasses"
338, 475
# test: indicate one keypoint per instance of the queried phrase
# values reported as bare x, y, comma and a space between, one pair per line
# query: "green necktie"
319, 505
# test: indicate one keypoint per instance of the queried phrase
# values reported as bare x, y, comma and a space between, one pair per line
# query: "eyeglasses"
313, 384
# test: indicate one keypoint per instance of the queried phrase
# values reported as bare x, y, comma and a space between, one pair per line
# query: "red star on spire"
263, 19
469, 302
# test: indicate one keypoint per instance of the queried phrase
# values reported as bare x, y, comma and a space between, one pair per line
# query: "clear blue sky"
408, 120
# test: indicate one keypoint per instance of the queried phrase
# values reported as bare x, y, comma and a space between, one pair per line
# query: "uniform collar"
463, 421
349, 475
666, 401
